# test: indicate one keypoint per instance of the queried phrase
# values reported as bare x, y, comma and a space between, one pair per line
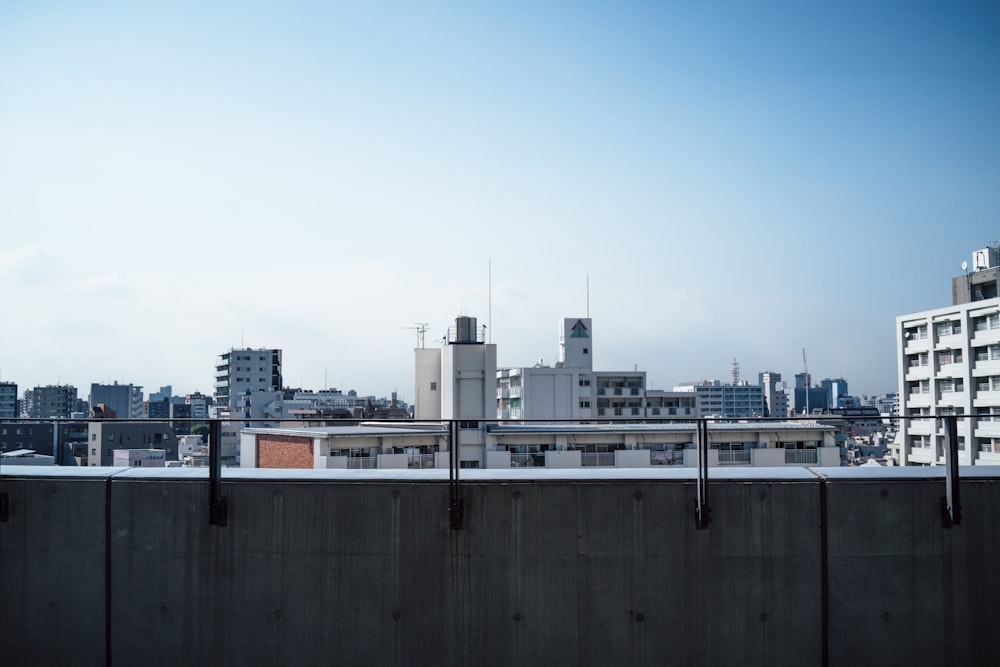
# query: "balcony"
801, 456
734, 457
597, 459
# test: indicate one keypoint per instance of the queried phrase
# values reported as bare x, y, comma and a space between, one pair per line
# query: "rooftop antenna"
805, 371
489, 309
736, 372
421, 329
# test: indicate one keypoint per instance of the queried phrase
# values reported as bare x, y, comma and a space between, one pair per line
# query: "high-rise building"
949, 364
8, 400
836, 391
775, 397
245, 371
124, 399
240, 374
50, 401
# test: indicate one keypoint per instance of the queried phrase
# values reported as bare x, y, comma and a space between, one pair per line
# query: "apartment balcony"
985, 398
986, 367
985, 337
801, 456
734, 457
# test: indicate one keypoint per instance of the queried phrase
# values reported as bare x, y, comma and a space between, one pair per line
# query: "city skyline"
178, 180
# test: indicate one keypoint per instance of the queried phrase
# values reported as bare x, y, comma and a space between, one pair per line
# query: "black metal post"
456, 507
952, 503
217, 507
702, 510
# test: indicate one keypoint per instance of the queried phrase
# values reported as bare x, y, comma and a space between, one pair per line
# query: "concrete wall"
550, 568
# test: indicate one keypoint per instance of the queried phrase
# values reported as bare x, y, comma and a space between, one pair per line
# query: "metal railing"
362, 463
597, 459
801, 456
734, 457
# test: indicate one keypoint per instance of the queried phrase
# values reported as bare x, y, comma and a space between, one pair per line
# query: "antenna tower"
736, 372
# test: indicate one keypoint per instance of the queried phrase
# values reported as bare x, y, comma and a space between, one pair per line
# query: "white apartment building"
571, 389
949, 364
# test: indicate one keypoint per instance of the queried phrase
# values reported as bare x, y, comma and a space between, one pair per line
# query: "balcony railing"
801, 456
362, 463
593, 459
734, 457
420, 461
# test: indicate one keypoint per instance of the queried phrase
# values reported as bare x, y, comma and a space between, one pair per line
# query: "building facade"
124, 399
572, 389
50, 401
9, 408
949, 364
106, 436
245, 371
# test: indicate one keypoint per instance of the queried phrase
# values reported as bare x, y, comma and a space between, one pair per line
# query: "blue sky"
731, 179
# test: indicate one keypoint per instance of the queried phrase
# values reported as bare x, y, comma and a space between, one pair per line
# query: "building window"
584, 404
949, 328
434, 386
468, 464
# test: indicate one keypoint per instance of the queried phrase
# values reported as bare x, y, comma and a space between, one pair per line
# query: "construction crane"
421, 329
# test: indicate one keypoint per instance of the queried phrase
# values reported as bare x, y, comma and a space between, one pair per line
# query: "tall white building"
458, 381
949, 364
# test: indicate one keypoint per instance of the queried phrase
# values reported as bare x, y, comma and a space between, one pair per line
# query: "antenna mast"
421, 329
805, 380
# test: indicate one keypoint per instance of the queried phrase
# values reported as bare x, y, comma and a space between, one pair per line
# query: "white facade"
459, 382
949, 364
573, 390
372, 445
136, 458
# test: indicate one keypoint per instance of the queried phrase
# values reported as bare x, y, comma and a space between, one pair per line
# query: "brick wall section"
284, 451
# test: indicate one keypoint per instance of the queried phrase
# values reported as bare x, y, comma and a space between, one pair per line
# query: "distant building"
105, 436
140, 458
50, 401
246, 370
572, 389
836, 392
949, 364
38, 437
775, 396
737, 401
124, 399
9, 408
239, 374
